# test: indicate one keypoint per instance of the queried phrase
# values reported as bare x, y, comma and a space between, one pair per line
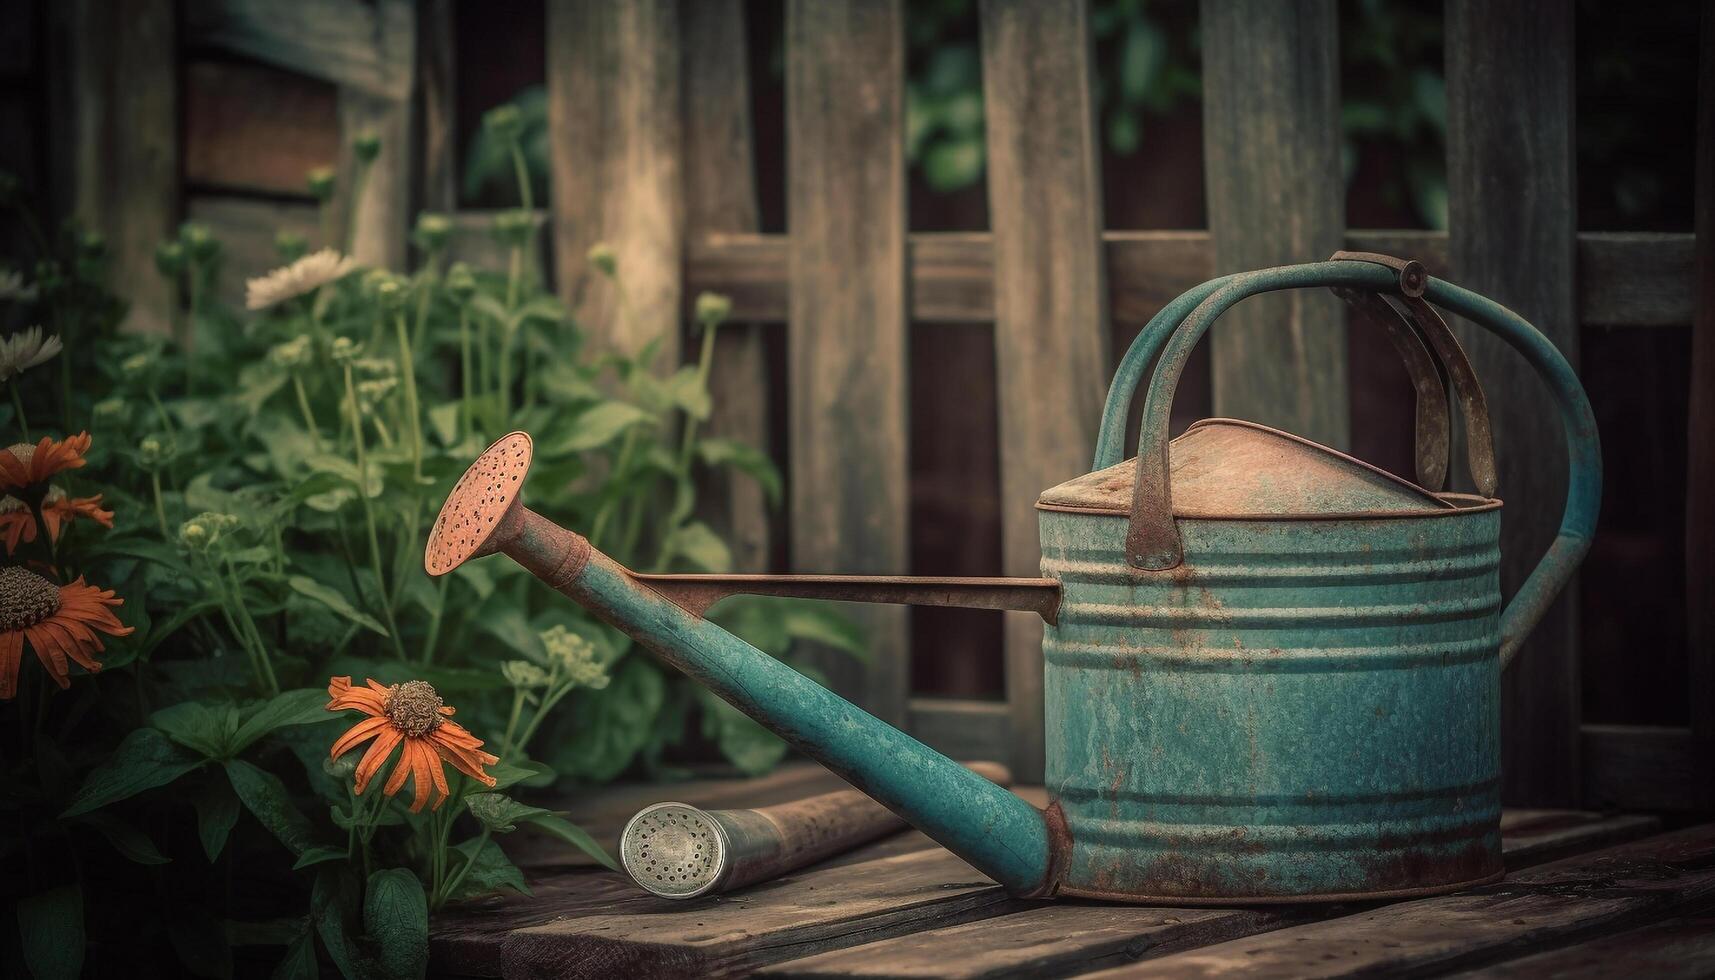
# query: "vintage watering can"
1272, 672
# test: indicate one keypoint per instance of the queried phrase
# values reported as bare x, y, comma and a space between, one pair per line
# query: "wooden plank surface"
115, 103
963, 729
613, 117
440, 158
846, 341
1070, 937
951, 272
380, 218
1511, 214
1606, 891
720, 196
1646, 767
1678, 949
1271, 158
367, 46
1051, 325
1700, 453
256, 128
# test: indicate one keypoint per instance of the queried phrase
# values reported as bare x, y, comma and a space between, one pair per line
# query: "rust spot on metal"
1059, 852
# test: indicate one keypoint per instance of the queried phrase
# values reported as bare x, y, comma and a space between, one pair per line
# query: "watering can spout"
998, 833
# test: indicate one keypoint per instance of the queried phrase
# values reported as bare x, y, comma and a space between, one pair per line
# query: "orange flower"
18, 524
59, 621
409, 713
60, 509
23, 465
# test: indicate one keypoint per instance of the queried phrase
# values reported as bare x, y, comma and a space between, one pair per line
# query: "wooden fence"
652, 153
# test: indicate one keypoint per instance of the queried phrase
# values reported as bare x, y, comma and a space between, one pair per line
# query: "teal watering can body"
1272, 672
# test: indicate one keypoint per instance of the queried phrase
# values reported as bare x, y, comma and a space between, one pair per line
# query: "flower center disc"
25, 598
414, 708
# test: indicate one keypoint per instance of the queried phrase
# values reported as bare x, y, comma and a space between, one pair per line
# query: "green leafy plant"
270, 480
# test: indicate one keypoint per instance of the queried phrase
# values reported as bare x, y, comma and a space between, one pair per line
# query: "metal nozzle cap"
675, 850
478, 505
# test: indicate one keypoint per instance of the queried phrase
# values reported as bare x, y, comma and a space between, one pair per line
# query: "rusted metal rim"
1357, 515
478, 504
1068, 891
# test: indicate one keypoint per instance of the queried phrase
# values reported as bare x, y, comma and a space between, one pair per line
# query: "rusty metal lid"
1231, 468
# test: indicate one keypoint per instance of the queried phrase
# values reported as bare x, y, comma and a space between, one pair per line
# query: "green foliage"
273, 478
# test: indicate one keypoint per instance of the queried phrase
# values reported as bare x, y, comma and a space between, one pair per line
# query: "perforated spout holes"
673, 850
478, 503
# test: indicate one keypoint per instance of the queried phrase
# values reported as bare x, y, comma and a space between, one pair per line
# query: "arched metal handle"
1152, 539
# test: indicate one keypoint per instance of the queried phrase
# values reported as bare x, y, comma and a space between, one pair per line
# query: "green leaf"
163, 630
753, 749
51, 927
444, 422
490, 870
310, 588
700, 547
197, 726
574, 835
300, 960
144, 760
804, 621
506, 774
498, 812
318, 854
605, 730
300, 707
271, 803
595, 427
126, 839
396, 917
333, 902
1141, 60
953, 163
744, 458
217, 812
686, 390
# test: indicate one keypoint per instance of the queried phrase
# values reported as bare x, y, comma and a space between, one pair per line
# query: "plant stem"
512, 723
160, 410
309, 416
160, 511
435, 620
464, 368
458, 877
18, 407
369, 512
250, 624
408, 370
425, 292
358, 180
619, 468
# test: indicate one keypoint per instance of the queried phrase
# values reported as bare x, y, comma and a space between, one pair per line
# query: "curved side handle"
1152, 539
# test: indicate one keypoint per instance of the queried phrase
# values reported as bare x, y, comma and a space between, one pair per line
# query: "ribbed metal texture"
1304, 708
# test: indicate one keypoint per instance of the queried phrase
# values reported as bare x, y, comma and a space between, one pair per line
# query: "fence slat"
1271, 130
381, 217
357, 44
1511, 212
1050, 299
437, 94
1700, 456
720, 196
116, 99
613, 110
845, 82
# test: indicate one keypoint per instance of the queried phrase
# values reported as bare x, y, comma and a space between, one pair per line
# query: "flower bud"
514, 228
92, 244
366, 147
292, 354
170, 259
109, 410
344, 350
151, 452
321, 183
137, 366
433, 231
504, 122
386, 289
602, 257
199, 242
290, 245
342, 768
523, 674
713, 309
461, 282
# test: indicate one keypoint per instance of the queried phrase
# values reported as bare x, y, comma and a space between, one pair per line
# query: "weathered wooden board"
437, 99
380, 213
115, 104
963, 729
1511, 214
1271, 158
1647, 767
613, 117
367, 46
846, 338
1071, 937
720, 196
1678, 949
1625, 280
256, 128
1051, 327
1605, 891
1700, 454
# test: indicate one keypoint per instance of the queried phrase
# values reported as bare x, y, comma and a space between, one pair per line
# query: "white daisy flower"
13, 287
24, 350
303, 276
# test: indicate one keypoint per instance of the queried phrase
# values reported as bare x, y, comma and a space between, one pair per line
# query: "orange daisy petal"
75, 646
17, 525
466, 761
48, 652
373, 760
344, 696
422, 760
11, 651
440, 776
359, 733
401, 769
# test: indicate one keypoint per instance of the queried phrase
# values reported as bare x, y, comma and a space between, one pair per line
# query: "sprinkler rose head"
483, 502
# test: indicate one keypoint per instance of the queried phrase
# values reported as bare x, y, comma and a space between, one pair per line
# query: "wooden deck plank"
1071, 937
1678, 949
1603, 892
